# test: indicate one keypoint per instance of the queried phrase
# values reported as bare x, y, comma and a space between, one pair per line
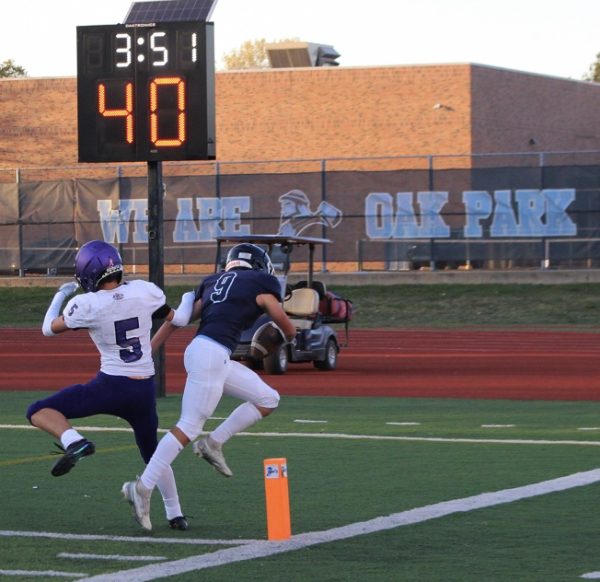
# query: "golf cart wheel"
330, 361
277, 362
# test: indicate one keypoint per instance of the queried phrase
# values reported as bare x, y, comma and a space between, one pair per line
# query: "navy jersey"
229, 303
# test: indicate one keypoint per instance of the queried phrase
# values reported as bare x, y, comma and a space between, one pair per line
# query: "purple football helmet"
95, 261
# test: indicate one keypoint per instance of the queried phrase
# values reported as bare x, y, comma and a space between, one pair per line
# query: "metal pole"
156, 256
324, 227
20, 222
311, 258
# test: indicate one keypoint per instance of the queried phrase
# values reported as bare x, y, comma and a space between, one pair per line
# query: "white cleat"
212, 454
139, 498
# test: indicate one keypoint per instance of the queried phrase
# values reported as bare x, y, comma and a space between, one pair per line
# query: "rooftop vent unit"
301, 54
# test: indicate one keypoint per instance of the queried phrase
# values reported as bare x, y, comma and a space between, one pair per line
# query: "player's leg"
168, 491
52, 415
260, 401
139, 495
206, 366
143, 418
140, 413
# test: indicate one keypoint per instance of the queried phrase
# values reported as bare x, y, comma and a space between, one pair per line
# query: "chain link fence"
509, 211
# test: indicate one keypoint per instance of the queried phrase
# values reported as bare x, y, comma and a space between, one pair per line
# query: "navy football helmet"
249, 256
95, 262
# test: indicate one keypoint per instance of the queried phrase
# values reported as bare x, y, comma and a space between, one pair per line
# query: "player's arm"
179, 317
196, 310
54, 323
271, 305
58, 325
175, 319
162, 335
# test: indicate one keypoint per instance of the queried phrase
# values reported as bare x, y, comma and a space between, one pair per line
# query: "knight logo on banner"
297, 216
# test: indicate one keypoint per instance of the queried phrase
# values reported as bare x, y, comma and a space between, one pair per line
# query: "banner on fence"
390, 217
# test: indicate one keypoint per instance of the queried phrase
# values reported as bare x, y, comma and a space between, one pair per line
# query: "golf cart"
315, 341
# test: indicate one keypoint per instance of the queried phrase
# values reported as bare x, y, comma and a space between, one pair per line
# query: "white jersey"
120, 323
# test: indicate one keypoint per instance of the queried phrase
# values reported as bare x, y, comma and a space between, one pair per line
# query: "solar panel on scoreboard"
170, 11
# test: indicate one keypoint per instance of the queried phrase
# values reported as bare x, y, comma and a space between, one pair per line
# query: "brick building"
319, 113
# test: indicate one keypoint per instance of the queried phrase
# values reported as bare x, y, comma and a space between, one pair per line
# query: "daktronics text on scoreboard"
145, 92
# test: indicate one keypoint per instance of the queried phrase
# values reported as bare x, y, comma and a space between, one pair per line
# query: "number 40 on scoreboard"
146, 92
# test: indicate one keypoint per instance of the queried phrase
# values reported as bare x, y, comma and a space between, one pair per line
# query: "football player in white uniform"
118, 316
227, 303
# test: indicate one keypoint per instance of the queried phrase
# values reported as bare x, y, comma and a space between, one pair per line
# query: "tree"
252, 54
9, 69
593, 73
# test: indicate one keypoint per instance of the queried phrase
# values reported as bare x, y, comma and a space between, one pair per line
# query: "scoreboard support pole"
156, 262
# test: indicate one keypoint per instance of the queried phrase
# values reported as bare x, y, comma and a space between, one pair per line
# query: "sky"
558, 38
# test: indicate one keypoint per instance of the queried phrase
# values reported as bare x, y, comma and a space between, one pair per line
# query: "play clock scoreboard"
145, 92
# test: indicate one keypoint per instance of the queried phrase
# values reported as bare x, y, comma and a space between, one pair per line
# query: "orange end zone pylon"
277, 499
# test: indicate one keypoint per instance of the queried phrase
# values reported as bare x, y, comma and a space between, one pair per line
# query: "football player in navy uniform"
227, 303
118, 316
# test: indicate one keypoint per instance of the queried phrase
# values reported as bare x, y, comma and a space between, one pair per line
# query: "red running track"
521, 365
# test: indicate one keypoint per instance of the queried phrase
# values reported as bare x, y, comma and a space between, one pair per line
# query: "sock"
166, 452
244, 416
168, 490
69, 437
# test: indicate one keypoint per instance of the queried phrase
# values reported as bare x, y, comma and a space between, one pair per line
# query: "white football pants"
210, 374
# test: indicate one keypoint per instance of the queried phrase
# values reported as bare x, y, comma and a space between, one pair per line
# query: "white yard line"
128, 539
497, 426
262, 549
118, 557
325, 435
421, 439
45, 573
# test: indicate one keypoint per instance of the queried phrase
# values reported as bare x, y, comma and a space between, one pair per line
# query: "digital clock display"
146, 92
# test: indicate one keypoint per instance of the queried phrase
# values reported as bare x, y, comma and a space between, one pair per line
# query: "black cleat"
74, 452
178, 523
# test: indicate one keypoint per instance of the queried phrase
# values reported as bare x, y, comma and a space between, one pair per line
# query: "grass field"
361, 461
380, 489
576, 305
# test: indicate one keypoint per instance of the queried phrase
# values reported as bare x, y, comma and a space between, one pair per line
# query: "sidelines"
263, 549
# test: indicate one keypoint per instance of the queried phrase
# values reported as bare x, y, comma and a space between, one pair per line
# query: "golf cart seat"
302, 307
318, 286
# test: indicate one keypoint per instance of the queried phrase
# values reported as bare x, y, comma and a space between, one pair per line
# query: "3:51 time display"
146, 93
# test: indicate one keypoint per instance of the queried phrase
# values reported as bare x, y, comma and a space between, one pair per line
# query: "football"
266, 339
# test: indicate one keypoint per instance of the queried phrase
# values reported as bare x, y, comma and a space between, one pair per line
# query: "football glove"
67, 289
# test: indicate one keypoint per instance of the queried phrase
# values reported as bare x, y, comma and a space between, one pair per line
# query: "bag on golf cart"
335, 309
